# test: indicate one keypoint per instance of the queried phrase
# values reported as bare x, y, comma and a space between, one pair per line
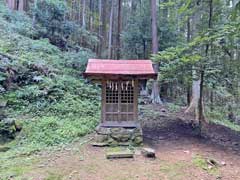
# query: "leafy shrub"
7, 130
20, 23
72, 105
45, 87
78, 60
48, 131
173, 107
59, 122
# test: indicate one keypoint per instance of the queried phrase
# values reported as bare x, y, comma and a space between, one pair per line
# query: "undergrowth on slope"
44, 90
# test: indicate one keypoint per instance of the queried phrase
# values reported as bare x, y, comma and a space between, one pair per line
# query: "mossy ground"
201, 162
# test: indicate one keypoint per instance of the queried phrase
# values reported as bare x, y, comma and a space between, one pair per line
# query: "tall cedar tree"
155, 96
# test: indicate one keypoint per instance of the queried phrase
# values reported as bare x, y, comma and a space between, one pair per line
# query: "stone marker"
119, 154
148, 152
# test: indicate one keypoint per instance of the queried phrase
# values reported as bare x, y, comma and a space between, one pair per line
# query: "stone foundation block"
119, 136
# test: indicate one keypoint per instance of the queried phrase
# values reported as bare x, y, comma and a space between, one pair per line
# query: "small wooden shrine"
120, 87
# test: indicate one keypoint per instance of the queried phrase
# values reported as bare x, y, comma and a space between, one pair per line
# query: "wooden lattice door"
120, 103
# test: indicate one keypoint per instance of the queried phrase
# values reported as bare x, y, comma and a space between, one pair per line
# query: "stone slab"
96, 144
119, 154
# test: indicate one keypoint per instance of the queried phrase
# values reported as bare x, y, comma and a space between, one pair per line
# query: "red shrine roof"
105, 68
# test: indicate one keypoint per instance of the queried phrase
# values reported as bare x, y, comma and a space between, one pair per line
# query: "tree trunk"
22, 5
133, 6
91, 9
16, 5
100, 28
110, 33
79, 11
201, 111
188, 40
144, 49
34, 14
83, 14
118, 53
154, 27
201, 117
155, 89
10, 4
193, 105
19, 5
100, 16
192, 109
189, 95
212, 98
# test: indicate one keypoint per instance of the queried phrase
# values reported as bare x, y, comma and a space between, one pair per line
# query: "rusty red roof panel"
119, 67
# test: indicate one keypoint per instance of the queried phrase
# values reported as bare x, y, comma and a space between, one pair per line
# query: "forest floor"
180, 155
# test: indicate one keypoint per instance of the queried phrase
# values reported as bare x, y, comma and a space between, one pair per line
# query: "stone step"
119, 154
99, 144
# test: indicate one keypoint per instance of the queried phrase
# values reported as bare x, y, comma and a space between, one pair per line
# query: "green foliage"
42, 85
37, 97
174, 170
226, 123
54, 176
16, 22
178, 63
20, 23
219, 116
88, 39
202, 163
51, 22
49, 131
50, 15
185, 6
7, 131
235, 13
78, 60
137, 34
15, 169
72, 105
173, 107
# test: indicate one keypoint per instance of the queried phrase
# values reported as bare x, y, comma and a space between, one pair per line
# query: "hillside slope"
42, 90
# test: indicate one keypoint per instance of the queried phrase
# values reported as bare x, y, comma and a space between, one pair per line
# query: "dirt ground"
180, 155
